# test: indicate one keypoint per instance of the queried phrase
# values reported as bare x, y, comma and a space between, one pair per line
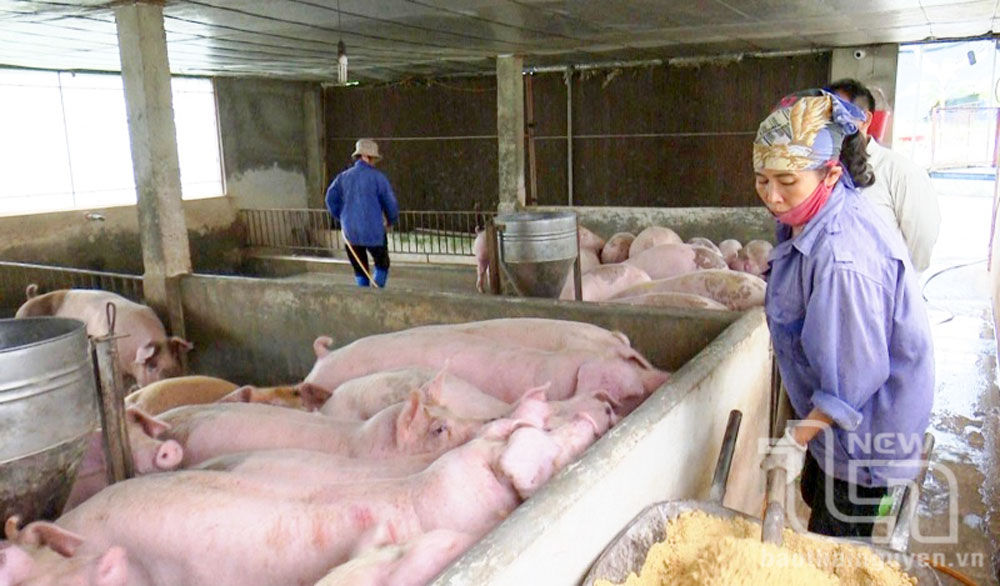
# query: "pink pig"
149, 454
414, 427
500, 369
482, 260
412, 563
605, 281
616, 248
206, 521
653, 236
145, 353
363, 397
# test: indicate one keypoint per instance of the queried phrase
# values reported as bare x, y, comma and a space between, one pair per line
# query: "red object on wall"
880, 121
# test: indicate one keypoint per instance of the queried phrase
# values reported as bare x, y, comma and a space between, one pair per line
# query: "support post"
510, 132
146, 75
315, 147
568, 78
111, 403
493, 253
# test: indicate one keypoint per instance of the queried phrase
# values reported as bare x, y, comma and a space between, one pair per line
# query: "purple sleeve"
845, 339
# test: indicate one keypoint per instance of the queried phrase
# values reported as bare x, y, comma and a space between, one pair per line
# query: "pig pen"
276, 252
261, 331
715, 223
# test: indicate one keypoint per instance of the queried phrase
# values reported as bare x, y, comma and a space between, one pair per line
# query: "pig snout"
168, 456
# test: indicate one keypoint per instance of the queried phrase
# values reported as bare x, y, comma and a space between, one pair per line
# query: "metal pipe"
577, 271
493, 252
899, 537
111, 403
568, 77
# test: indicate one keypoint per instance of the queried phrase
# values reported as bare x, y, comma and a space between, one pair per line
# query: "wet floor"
959, 518
960, 506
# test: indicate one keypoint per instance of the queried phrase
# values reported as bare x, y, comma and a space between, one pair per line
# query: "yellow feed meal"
702, 550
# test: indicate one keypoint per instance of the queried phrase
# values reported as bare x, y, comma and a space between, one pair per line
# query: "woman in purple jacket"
848, 324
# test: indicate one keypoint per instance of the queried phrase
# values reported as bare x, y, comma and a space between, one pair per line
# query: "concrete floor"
411, 276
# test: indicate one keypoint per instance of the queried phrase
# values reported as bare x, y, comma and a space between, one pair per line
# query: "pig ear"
313, 396
409, 420
151, 425
10, 528
145, 353
321, 346
533, 408
241, 395
15, 565
179, 346
55, 537
434, 388
112, 568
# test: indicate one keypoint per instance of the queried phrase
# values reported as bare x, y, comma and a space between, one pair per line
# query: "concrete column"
875, 66
146, 74
315, 147
510, 131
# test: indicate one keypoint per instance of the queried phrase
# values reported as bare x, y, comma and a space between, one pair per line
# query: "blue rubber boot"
381, 276
361, 281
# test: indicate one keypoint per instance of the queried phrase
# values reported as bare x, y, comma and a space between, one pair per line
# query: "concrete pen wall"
260, 331
715, 223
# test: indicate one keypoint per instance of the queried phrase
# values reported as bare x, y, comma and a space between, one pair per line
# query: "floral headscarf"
805, 131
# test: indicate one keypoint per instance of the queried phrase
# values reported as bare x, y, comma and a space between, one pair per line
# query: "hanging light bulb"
341, 51
341, 62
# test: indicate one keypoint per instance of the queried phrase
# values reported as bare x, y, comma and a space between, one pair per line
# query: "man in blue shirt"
362, 199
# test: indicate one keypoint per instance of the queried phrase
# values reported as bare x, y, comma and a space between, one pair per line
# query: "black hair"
856, 91
854, 158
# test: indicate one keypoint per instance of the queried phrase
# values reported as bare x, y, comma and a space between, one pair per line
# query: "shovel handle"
722, 467
774, 516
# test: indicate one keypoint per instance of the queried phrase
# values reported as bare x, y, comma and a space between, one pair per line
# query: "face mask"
807, 210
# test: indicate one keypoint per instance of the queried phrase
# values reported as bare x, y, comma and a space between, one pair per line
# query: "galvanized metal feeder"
538, 250
47, 411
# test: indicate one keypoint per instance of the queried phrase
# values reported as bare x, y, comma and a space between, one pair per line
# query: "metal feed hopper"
538, 251
47, 411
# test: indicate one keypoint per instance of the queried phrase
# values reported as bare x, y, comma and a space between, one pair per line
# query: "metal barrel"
47, 410
537, 250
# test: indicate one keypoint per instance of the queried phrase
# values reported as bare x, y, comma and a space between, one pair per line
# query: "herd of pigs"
658, 268
394, 455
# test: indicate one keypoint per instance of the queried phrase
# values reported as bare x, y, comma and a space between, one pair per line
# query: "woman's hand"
789, 452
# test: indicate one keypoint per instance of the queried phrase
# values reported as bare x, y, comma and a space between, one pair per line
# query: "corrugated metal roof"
390, 39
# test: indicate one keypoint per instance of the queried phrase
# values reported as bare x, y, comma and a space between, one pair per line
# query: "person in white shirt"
902, 193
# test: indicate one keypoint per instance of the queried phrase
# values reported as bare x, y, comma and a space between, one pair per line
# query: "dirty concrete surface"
414, 277
961, 503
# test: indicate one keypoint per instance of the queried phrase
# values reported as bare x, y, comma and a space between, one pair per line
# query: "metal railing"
16, 276
305, 231
964, 137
